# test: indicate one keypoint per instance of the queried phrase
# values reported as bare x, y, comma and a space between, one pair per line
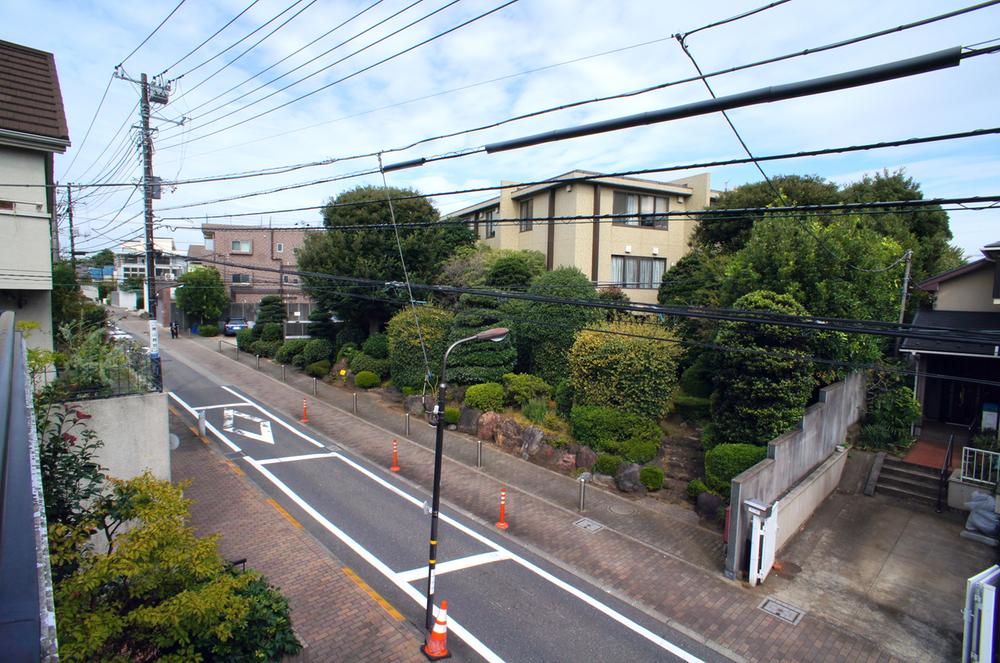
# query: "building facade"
32, 130
130, 260
632, 251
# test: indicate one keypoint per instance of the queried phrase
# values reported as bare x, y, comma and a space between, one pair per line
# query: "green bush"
377, 346
607, 429
639, 450
208, 330
271, 310
265, 635
890, 417
270, 331
316, 350
725, 461
535, 410
299, 361
346, 350
289, 349
487, 397
406, 352
651, 477
519, 388
366, 380
564, 397
696, 380
362, 362
267, 348
607, 464
452, 415
692, 408
625, 365
319, 369
695, 488
244, 338
478, 362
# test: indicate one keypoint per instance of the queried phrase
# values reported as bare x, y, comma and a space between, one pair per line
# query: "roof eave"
11, 138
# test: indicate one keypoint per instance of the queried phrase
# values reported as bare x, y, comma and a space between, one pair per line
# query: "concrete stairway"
917, 483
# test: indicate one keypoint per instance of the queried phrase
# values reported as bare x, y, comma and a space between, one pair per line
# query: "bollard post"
502, 523
258, 362
314, 386
406, 424
201, 422
237, 353
583, 491
479, 453
282, 372
220, 346
355, 402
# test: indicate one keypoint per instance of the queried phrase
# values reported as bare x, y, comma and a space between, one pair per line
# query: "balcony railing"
980, 466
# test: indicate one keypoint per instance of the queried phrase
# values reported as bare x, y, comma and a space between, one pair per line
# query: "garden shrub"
406, 354
350, 334
615, 367
477, 362
315, 350
319, 369
376, 346
366, 380
695, 488
607, 429
607, 464
692, 408
271, 310
535, 410
452, 415
725, 461
564, 397
267, 348
299, 361
487, 397
346, 350
639, 450
244, 338
890, 417
519, 388
696, 380
289, 349
270, 331
651, 477
360, 361
208, 330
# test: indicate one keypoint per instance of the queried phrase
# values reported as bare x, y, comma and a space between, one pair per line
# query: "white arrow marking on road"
229, 425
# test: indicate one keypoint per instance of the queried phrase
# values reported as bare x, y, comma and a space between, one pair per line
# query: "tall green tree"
347, 250
475, 363
102, 258
67, 299
202, 295
271, 309
413, 337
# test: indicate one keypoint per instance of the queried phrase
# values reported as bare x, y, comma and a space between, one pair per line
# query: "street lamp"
496, 335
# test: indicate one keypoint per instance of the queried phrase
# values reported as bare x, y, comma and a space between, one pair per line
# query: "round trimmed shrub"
366, 380
520, 388
692, 408
362, 362
299, 361
640, 450
316, 350
377, 346
607, 464
267, 348
289, 349
725, 461
487, 397
208, 330
270, 331
608, 429
695, 488
244, 338
651, 477
452, 415
319, 369
406, 356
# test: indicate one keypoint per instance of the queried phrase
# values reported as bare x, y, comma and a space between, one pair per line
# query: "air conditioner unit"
656, 250
628, 248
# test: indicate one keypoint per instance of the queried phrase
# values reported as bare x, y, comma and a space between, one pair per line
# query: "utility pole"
908, 256
72, 239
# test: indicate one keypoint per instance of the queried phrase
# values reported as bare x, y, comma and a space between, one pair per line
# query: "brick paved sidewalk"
333, 615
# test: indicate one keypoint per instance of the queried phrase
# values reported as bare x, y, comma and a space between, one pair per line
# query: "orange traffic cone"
305, 412
395, 457
502, 523
436, 646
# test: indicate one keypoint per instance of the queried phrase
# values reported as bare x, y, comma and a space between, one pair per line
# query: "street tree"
202, 295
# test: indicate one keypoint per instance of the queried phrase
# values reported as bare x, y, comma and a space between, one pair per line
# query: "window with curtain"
640, 210
637, 272
526, 215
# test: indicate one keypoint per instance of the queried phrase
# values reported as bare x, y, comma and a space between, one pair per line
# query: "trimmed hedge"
270, 331
725, 461
611, 430
362, 362
289, 349
267, 348
607, 464
208, 330
299, 361
651, 477
366, 380
376, 346
487, 397
452, 415
316, 350
244, 338
695, 488
639, 450
692, 408
564, 397
319, 369
406, 354
519, 388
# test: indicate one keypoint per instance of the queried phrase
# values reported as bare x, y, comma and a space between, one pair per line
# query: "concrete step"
902, 493
911, 468
906, 483
915, 478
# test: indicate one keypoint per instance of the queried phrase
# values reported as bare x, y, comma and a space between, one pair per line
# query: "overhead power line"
150, 35
210, 38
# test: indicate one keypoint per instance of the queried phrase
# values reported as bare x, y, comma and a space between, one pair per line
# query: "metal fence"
125, 370
980, 466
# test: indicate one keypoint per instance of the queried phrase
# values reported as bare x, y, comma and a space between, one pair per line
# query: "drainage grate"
781, 610
588, 525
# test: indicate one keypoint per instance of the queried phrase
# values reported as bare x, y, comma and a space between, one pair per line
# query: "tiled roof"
969, 321
30, 99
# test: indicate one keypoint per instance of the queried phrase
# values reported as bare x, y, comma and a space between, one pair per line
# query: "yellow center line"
235, 468
375, 595
280, 509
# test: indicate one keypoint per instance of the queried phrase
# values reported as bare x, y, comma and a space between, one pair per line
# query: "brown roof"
30, 99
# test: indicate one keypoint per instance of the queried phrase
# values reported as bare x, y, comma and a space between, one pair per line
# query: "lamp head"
496, 334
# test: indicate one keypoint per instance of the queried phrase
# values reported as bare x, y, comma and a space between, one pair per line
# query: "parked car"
234, 325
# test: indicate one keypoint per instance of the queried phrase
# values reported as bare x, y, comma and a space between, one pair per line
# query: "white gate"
763, 539
980, 613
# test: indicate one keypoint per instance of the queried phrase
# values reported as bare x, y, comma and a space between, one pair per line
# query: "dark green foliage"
208, 330
299, 360
270, 310
487, 397
760, 392
519, 388
651, 477
544, 332
696, 380
725, 461
321, 325
373, 254
347, 350
614, 296
67, 299
103, 258
362, 362
692, 408
564, 397
318, 369
317, 350
376, 346
641, 449
470, 265
406, 352
349, 334
202, 295
244, 338
267, 633
535, 410
479, 361
289, 349
452, 415
94, 315
366, 380
267, 348
892, 411
607, 464
511, 272
609, 429
269, 331
695, 488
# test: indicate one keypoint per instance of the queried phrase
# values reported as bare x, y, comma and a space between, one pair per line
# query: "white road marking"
229, 425
215, 431
454, 565
376, 563
215, 407
278, 420
289, 459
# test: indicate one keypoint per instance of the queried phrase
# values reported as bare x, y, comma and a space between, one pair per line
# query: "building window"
241, 246
527, 214
241, 278
489, 225
636, 272
280, 248
290, 280
641, 210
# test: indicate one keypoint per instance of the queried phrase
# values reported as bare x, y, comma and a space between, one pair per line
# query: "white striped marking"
278, 420
215, 407
215, 431
289, 459
454, 565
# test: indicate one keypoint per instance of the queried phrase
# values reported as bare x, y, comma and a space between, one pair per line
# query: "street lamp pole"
496, 335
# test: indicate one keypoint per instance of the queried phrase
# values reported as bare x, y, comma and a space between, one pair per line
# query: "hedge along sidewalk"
700, 602
667, 528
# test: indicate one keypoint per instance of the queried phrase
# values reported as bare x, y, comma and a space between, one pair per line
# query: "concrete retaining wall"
135, 432
791, 458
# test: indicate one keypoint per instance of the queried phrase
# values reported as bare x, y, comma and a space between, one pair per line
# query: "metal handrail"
945, 471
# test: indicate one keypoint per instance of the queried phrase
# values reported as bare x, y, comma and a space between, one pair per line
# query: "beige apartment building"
631, 252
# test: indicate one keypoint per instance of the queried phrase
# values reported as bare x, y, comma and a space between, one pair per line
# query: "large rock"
627, 478
707, 505
392, 394
343, 364
487, 425
531, 441
566, 461
586, 457
468, 422
414, 405
508, 434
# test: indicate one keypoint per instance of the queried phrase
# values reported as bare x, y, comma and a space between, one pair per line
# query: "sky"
375, 88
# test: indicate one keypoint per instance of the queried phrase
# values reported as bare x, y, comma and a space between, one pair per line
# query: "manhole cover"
781, 610
621, 509
588, 525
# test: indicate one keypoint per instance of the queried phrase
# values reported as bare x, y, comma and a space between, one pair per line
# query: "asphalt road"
505, 603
